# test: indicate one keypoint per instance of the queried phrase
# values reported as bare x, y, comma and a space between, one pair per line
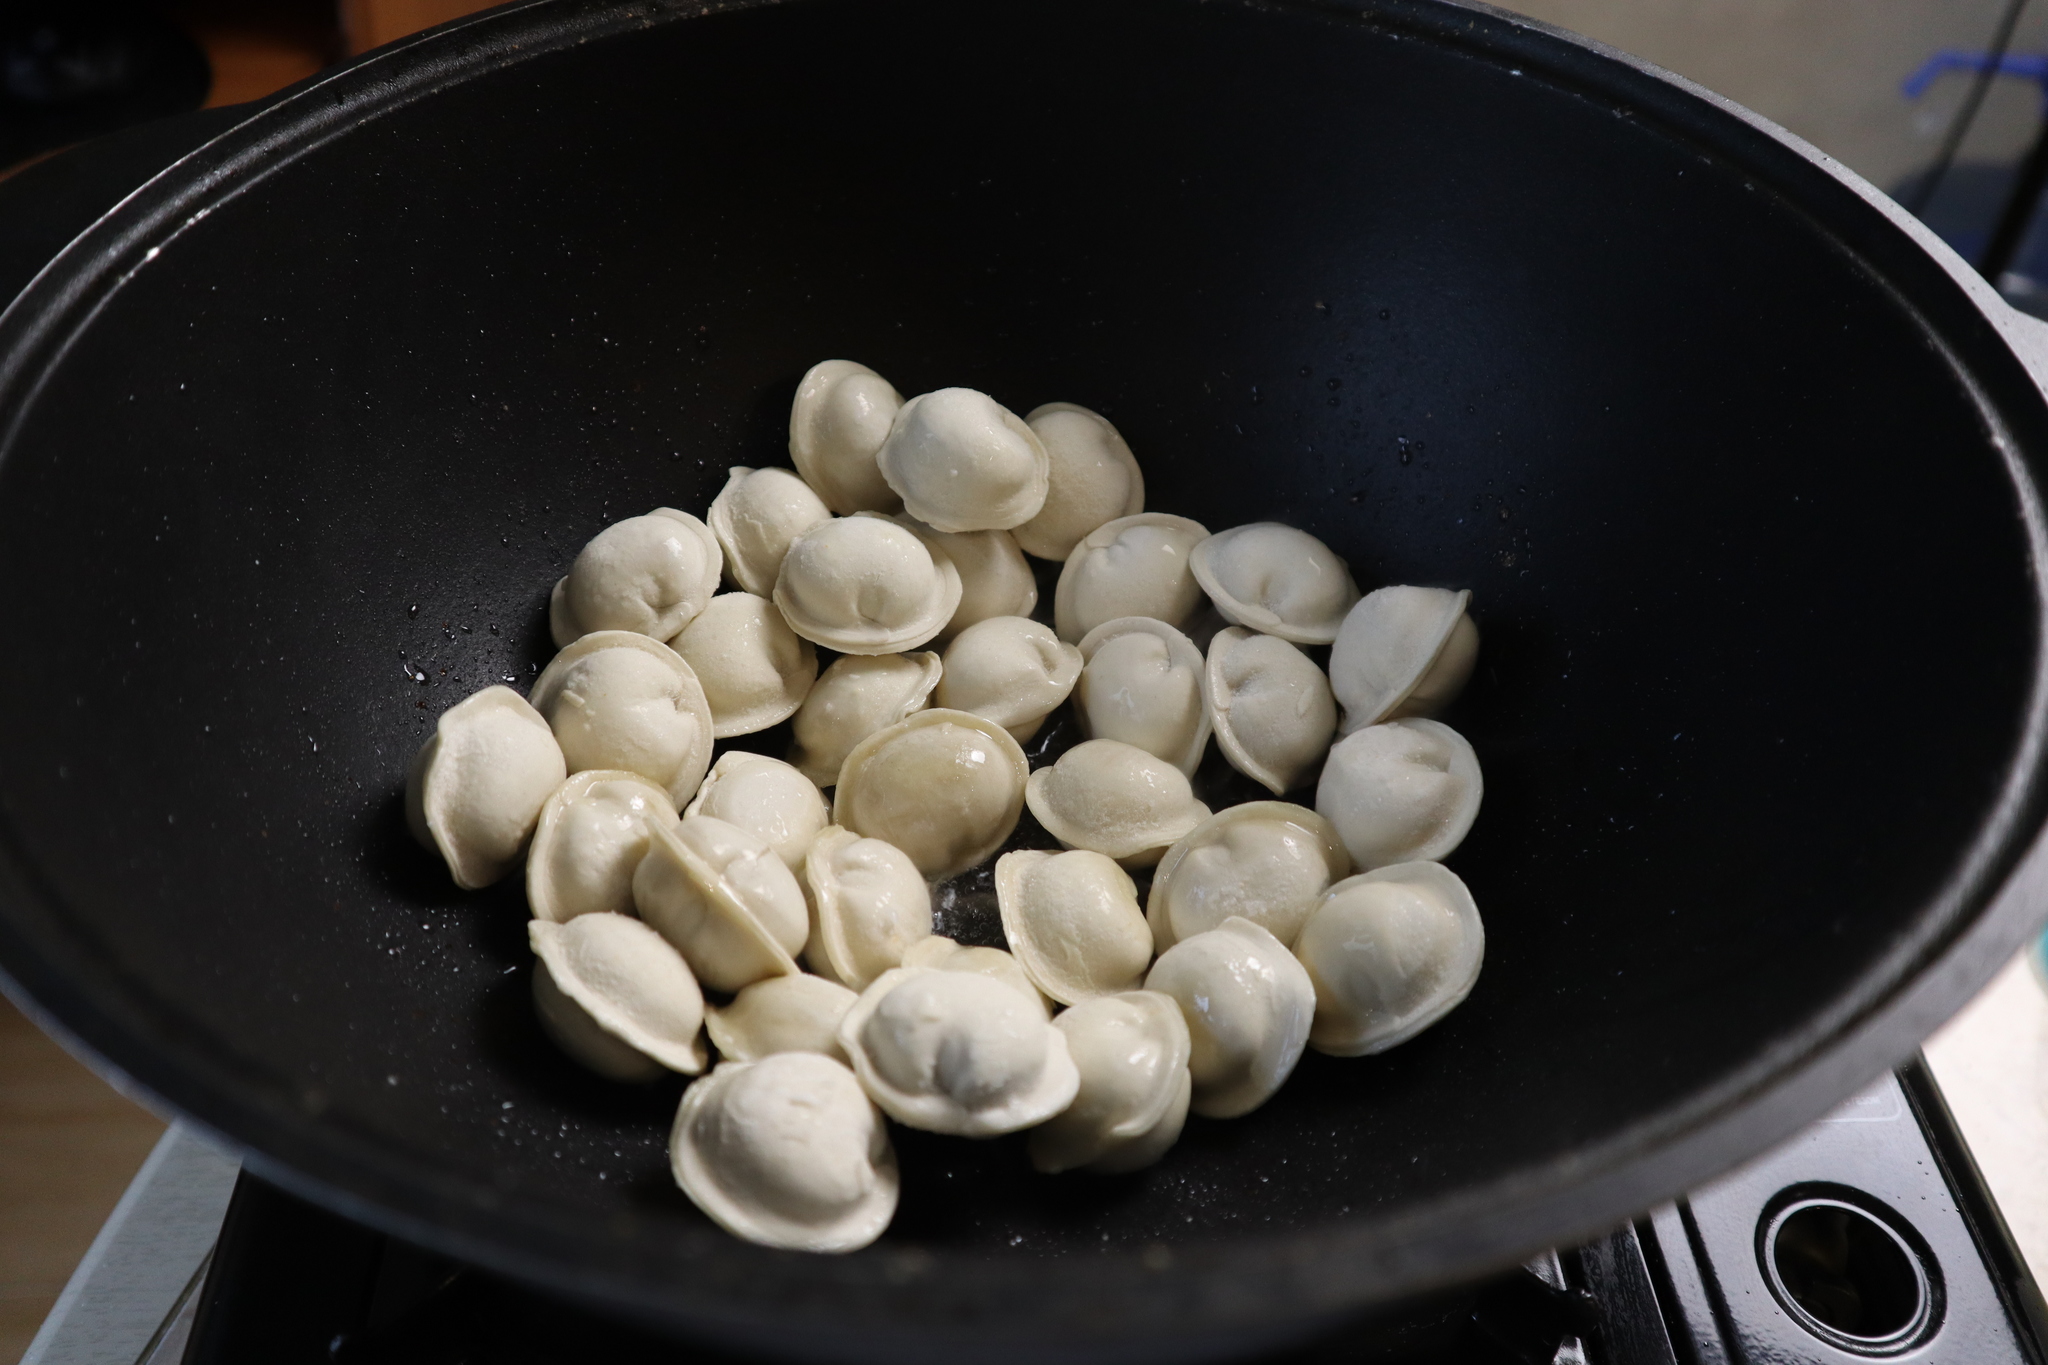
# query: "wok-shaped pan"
1739, 464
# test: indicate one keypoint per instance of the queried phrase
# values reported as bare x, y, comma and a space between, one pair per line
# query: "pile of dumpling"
656, 876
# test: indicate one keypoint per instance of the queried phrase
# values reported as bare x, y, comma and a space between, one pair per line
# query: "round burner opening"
1848, 1274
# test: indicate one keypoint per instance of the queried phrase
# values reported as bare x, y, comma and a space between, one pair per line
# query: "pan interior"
1753, 588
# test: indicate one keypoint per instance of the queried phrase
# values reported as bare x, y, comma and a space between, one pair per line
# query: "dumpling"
1143, 683
1009, 670
591, 838
1402, 791
995, 580
1402, 652
616, 997
942, 954
617, 699
476, 787
767, 798
853, 698
1389, 953
786, 1152
1092, 478
1132, 1052
755, 517
1114, 799
864, 585
1248, 1005
798, 1013
755, 670
650, 575
946, 787
1265, 861
963, 462
1072, 919
725, 901
957, 1053
1277, 580
841, 416
1133, 566
1271, 708
869, 905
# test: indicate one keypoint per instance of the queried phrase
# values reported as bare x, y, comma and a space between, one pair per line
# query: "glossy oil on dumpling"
841, 416
1248, 1005
1402, 652
1401, 791
755, 517
851, 700
865, 585
946, 787
1389, 953
476, 788
1073, 922
617, 699
616, 997
1114, 799
798, 1013
1265, 861
963, 462
957, 1053
1092, 478
1270, 706
869, 906
1143, 683
723, 898
1132, 1054
755, 670
995, 579
1009, 670
767, 798
1133, 566
590, 840
786, 1152
650, 575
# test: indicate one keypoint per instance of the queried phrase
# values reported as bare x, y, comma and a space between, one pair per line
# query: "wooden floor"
68, 1147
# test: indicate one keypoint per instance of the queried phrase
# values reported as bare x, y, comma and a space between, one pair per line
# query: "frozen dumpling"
1265, 861
1072, 919
1133, 566
995, 580
946, 787
650, 575
1009, 670
617, 699
755, 517
798, 1013
1270, 706
1277, 580
1114, 799
755, 670
1142, 682
841, 416
865, 585
963, 462
1402, 652
767, 798
852, 699
723, 898
1092, 478
476, 788
957, 1053
590, 840
1132, 1053
786, 1152
1402, 791
1248, 1005
869, 906
616, 997
1389, 953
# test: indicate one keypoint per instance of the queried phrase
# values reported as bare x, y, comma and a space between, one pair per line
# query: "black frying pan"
1738, 463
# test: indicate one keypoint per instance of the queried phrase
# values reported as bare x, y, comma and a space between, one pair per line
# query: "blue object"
2029, 66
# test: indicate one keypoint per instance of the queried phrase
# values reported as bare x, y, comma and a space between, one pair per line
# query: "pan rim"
1983, 915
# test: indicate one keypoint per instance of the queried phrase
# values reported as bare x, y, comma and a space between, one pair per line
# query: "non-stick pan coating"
1735, 469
